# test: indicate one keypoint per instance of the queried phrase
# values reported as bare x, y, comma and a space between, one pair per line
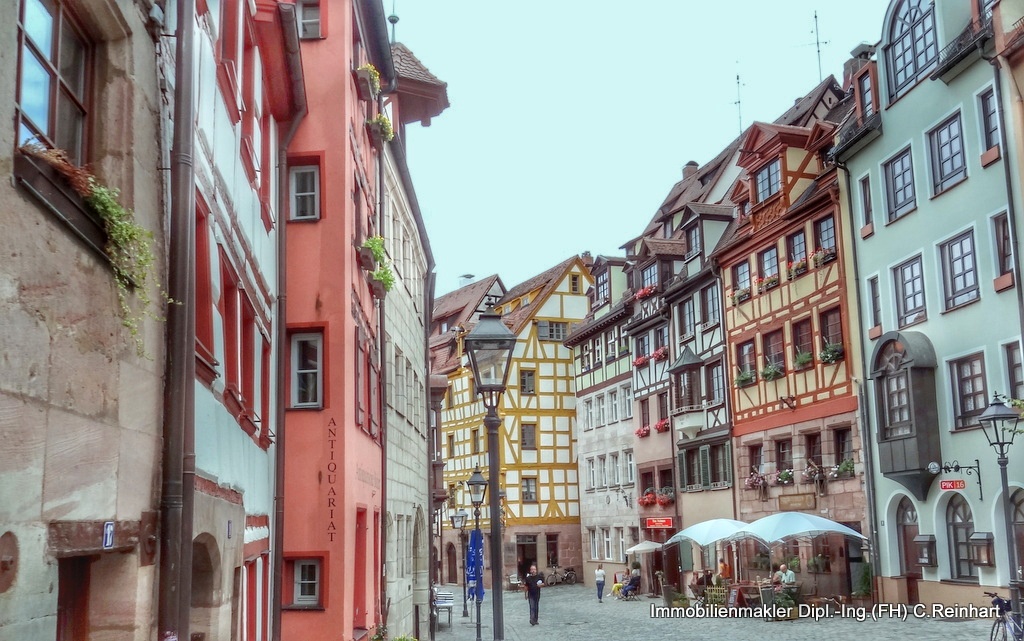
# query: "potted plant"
662, 426
739, 295
642, 360
649, 497
785, 607
862, 594
367, 81
666, 496
380, 633
772, 371
757, 482
845, 468
371, 252
744, 377
832, 353
382, 280
643, 431
823, 255
381, 129
784, 477
660, 354
803, 359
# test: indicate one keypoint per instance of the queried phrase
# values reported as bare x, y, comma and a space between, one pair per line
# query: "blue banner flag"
475, 565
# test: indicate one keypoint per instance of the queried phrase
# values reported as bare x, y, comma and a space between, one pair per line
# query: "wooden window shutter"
543, 330
683, 478
360, 373
375, 383
727, 468
705, 466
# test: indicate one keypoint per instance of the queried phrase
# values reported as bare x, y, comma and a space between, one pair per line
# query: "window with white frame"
627, 401
960, 270
612, 343
613, 406
613, 468
308, 15
591, 474
607, 532
768, 181
593, 543
598, 347
307, 370
622, 544
710, 306
600, 410
687, 319
630, 469
715, 373
307, 582
529, 489
588, 414
947, 153
305, 190
649, 275
602, 471
602, 286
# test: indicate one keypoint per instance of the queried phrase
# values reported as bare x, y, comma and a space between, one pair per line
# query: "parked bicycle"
555, 577
1008, 625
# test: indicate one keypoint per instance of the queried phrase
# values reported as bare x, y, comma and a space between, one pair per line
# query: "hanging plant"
129, 245
385, 276
381, 126
376, 245
371, 76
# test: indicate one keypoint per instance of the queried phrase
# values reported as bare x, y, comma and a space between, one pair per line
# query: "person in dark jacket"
533, 583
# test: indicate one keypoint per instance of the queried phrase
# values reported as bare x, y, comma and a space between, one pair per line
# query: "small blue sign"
108, 535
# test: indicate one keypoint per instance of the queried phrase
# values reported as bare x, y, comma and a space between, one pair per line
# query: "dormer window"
649, 275
912, 48
602, 287
768, 181
692, 241
866, 98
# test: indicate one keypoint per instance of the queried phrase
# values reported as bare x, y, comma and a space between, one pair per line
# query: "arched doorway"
453, 563
206, 595
906, 531
960, 524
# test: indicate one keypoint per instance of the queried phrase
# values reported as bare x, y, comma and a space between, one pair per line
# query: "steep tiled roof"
459, 308
666, 246
802, 112
545, 282
407, 65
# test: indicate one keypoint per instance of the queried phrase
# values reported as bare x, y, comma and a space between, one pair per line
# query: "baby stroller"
629, 591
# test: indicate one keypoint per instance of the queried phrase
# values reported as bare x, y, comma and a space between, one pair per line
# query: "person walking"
533, 583
599, 579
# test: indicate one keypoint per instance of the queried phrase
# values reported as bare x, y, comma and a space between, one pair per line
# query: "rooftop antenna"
818, 43
393, 19
739, 109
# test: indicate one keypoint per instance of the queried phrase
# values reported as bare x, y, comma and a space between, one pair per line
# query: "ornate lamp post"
459, 523
999, 423
490, 346
477, 489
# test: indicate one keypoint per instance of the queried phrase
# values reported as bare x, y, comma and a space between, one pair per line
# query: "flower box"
645, 292
662, 426
640, 361
803, 360
366, 259
796, 268
772, 371
784, 477
367, 82
744, 378
767, 282
643, 431
823, 256
660, 354
832, 353
664, 498
740, 295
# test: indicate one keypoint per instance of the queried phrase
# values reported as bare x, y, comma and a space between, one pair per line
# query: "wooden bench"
444, 601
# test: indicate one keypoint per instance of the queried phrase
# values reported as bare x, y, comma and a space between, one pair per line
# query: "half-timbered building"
796, 435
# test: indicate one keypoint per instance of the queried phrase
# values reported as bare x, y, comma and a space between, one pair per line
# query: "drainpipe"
1011, 215
865, 435
294, 58
180, 367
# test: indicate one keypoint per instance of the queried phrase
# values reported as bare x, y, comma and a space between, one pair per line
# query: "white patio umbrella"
708, 532
787, 525
644, 547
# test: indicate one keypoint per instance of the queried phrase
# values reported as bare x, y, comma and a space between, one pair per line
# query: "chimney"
690, 169
861, 55
465, 279
587, 259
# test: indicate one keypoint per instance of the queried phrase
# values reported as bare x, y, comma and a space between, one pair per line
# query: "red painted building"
334, 484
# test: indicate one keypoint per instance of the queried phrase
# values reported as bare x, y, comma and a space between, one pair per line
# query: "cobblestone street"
572, 613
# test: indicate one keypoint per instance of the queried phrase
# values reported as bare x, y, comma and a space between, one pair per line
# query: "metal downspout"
293, 53
865, 431
179, 391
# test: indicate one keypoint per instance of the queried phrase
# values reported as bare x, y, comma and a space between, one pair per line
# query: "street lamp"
459, 523
490, 346
477, 489
999, 423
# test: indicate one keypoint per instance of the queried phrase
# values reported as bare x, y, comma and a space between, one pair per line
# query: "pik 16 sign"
659, 523
955, 484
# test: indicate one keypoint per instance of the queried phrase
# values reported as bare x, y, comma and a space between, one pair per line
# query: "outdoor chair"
444, 601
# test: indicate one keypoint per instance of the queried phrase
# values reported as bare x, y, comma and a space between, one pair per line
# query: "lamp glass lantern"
489, 346
999, 423
477, 487
924, 545
981, 549
459, 519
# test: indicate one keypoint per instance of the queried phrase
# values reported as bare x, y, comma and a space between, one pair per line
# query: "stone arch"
206, 591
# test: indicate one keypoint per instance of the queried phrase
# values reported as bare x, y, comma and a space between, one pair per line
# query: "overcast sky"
571, 120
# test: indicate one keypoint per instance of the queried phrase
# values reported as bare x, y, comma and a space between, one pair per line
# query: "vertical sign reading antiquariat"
332, 478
